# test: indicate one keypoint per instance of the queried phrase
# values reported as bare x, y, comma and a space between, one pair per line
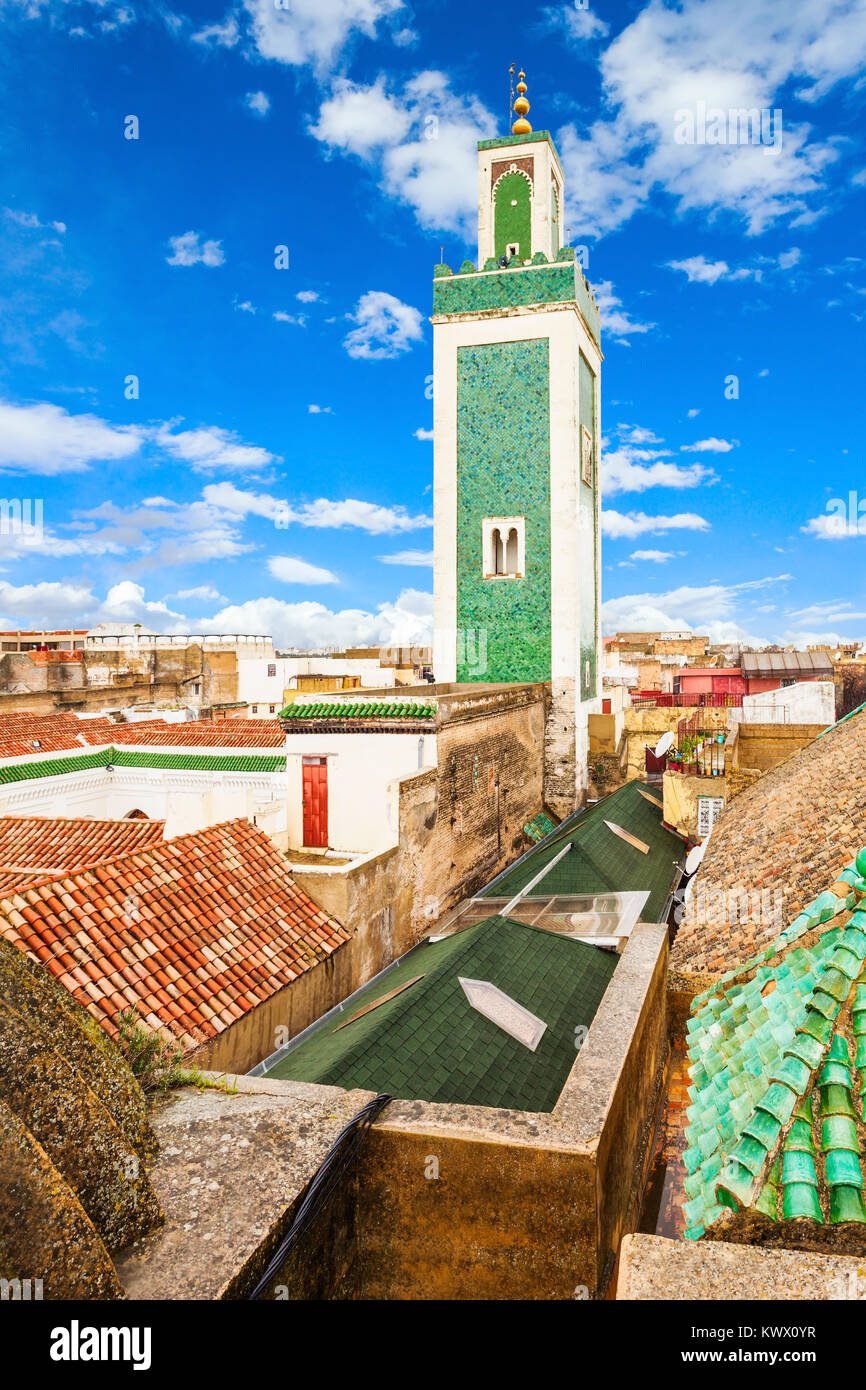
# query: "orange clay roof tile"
205, 945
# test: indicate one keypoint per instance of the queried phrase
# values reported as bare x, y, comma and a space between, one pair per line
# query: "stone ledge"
655, 1268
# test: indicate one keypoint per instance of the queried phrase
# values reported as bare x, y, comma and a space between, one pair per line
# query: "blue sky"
268, 470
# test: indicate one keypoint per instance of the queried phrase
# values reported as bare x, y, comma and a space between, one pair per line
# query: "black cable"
335, 1163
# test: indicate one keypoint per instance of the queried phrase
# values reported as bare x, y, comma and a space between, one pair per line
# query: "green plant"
154, 1061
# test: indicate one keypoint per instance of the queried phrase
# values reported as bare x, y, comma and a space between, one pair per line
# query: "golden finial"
521, 106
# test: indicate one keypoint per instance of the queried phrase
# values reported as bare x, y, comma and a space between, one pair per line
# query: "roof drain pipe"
321, 1187
509, 907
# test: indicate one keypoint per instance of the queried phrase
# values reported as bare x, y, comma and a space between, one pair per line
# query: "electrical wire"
335, 1163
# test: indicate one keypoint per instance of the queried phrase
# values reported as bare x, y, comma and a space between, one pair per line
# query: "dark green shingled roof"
370, 709
429, 1043
120, 757
600, 861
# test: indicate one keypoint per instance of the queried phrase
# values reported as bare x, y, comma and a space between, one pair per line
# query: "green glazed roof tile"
792, 1073
846, 1204
750, 1154
835, 1074
847, 962
798, 1167
801, 1199
838, 1050
835, 983
817, 1026
806, 1048
767, 1199
763, 1127
736, 1186
839, 1132
842, 1169
836, 1100
825, 1004
799, 1136
778, 1101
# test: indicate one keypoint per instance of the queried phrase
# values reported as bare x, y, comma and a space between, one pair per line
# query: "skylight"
504, 1011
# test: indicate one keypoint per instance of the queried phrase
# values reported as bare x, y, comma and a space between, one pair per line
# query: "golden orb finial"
521, 106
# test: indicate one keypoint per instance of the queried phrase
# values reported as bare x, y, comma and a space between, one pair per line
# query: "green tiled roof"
120, 757
775, 1091
600, 861
429, 1043
370, 709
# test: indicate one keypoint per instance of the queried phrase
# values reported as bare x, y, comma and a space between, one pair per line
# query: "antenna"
510, 95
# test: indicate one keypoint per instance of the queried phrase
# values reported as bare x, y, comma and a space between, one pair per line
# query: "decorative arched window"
503, 546
512, 216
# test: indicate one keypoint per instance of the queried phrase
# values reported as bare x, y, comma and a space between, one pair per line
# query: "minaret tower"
516, 429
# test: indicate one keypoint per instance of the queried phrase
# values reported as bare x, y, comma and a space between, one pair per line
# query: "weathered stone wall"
680, 796
763, 746
560, 752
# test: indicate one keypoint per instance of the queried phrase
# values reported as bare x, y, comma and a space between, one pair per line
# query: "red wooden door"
315, 794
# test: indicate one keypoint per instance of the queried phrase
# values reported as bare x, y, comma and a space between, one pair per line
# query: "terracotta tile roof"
34, 847
194, 931
790, 834
20, 730
204, 733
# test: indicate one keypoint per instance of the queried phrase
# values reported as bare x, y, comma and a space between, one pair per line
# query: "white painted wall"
186, 801
364, 771
258, 688
807, 702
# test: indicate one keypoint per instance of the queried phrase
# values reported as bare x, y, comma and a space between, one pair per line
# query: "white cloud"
578, 21
202, 591
282, 317
60, 604
258, 102
789, 258
314, 31
385, 327
420, 143
422, 434
211, 447
31, 221
406, 621
292, 570
224, 35
246, 307
710, 608
319, 410
46, 439
629, 524
656, 557
188, 249
408, 557
710, 446
321, 514
699, 269
307, 296
835, 526
621, 473
669, 59
614, 318
692, 413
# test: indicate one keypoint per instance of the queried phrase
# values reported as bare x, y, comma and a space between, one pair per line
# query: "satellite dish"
694, 857
689, 888
664, 745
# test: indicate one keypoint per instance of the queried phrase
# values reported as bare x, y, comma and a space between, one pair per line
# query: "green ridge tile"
793, 1073
778, 1101
835, 1074
798, 1167
799, 1136
836, 1100
801, 1200
817, 1026
763, 1127
842, 1169
806, 1048
846, 1204
839, 1132
750, 1154
825, 1004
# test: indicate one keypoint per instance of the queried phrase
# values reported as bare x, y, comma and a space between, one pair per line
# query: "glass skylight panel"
504, 1011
